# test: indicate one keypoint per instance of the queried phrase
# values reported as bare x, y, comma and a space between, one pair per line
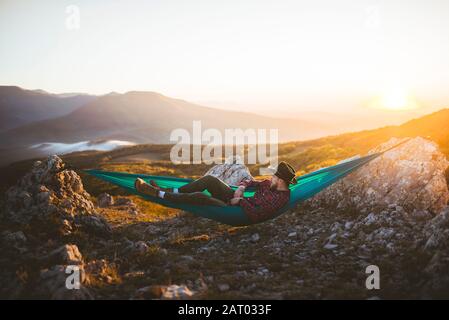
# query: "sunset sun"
395, 99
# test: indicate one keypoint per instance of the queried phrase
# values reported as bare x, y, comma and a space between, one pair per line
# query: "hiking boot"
143, 187
154, 184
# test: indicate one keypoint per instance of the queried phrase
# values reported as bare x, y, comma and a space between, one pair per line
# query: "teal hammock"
308, 185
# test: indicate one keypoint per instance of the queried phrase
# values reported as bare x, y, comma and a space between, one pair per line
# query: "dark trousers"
192, 193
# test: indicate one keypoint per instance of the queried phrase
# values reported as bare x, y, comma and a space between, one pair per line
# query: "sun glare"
395, 99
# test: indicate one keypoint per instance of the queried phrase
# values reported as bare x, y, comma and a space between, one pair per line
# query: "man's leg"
192, 192
217, 188
194, 198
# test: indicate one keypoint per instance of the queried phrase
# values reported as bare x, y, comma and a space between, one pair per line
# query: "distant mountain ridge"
19, 107
149, 118
145, 117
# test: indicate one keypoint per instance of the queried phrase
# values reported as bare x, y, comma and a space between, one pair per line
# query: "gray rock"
68, 254
172, 292
223, 287
52, 284
149, 292
348, 225
330, 246
53, 198
135, 248
122, 201
176, 292
411, 176
13, 239
152, 229
105, 200
127, 204
95, 224
437, 231
255, 237
231, 172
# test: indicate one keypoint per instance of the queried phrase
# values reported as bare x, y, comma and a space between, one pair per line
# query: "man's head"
284, 175
278, 183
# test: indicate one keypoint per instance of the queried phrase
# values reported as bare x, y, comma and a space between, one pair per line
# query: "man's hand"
235, 201
239, 192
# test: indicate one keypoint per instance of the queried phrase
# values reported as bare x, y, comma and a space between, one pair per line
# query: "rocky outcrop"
231, 172
411, 176
52, 199
45, 210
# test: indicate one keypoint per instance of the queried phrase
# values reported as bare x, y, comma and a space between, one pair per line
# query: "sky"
270, 57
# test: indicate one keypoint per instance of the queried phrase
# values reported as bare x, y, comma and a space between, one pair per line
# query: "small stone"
255, 237
66, 227
149, 292
96, 224
140, 247
176, 292
330, 246
122, 201
370, 219
188, 258
292, 234
68, 254
152, 229
331, 237
105, 200
223, 287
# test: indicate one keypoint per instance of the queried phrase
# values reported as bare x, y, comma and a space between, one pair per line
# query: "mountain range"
140, 117
19, 107
30, 118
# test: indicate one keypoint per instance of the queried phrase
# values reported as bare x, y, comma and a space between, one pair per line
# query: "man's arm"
249, 183
243, 185
238, 193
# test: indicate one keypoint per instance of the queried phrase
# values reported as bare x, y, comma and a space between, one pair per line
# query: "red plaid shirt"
265, 202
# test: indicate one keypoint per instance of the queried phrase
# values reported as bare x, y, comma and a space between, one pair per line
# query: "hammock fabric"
308, 185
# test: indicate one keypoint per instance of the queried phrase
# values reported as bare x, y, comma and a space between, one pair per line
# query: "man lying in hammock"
270, 195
